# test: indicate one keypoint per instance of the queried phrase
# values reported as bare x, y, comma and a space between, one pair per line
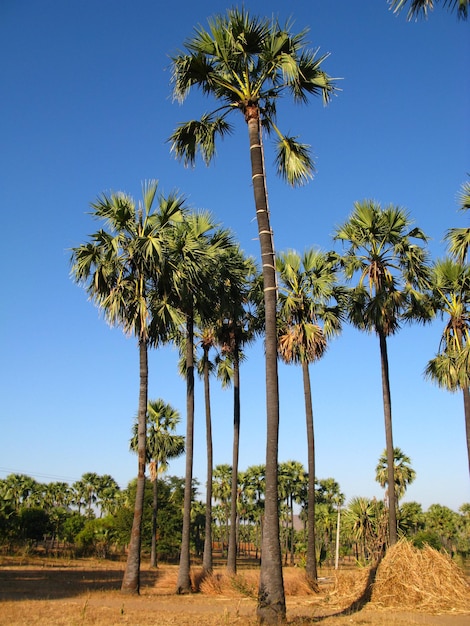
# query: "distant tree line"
93, 517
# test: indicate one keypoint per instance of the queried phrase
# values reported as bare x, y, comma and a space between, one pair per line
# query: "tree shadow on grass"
56, 583
360, 602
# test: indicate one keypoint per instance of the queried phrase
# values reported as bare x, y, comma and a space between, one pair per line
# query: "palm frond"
293, 161
198, 136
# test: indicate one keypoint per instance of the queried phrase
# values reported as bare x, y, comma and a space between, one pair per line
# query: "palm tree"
222, 491
392, 269
18, 489
107, 495
162, 445
309, 314
207, 342
246, 63
419, 8
90, 482
450, 368
238, 325
292, 476
254, 490
121, 270
196, 247
403, 473
458, 239
329, 492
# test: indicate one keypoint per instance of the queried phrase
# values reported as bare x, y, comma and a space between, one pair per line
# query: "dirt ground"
76, 592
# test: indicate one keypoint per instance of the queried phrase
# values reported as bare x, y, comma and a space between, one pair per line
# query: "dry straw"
421, 580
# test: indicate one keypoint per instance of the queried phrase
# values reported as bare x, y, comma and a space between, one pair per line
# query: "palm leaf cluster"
246, 64
421, 8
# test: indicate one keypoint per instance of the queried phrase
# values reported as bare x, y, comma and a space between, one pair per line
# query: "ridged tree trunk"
271, 597
153, 549
387, 402
311, 564
232, 541
466, 407
183, 584
131, 579
207, 563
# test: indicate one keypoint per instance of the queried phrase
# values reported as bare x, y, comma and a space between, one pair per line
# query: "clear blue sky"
86, 107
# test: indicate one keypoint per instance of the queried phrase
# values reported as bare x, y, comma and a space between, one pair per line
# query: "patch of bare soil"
76, 592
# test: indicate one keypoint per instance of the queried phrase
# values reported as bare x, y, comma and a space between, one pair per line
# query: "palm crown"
246, 64
392, 267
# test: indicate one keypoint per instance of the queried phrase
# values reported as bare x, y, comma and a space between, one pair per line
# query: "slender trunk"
153, 550
131, 579
292, 532
338, 523
466, 406
207, 564
271, 596
387, 401
311, 565
232, 542
183, 584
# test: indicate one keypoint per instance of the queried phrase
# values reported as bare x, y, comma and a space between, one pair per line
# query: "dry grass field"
410, 587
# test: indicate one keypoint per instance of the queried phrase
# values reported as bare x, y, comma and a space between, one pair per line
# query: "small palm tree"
384, 252
403, 472
309, 314
246, 64
122, 270
162, 445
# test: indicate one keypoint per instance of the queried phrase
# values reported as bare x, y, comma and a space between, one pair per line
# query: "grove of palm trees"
170, 276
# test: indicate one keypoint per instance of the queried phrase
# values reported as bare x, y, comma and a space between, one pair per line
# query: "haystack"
421, 580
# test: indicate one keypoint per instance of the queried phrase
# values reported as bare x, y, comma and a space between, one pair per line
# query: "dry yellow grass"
57, 593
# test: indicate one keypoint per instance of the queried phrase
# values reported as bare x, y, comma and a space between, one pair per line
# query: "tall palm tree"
384, 252
246, 64
403, 473
238, 326
450, 368
309, 314
196, 247
162, 445
420, 8
207, 342
121, 269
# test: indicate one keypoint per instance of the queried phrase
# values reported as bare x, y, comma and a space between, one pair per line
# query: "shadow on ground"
56, 583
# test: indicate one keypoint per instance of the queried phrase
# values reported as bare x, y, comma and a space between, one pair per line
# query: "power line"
68, 479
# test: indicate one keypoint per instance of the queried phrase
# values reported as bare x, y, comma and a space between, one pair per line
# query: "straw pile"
246, 583
423, 580
230, 585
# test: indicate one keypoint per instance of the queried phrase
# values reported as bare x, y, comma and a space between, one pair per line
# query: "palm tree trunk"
466, 407
232, 542
153, 550
271, 597
338, 525
131, 579
292, 531
183, 584
311, 564
207, 564
387, 401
